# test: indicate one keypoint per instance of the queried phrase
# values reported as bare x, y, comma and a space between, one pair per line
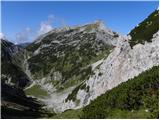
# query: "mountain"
64, 59
73, 67
14, 102
138, 96
121, 63
67, 53
10, 63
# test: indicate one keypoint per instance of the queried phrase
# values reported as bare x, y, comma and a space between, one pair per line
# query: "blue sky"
24, 21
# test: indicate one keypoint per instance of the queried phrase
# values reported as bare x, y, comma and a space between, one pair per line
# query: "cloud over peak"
29, 34
46, 26
2, 36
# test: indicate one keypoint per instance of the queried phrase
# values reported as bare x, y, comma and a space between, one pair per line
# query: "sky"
24, 21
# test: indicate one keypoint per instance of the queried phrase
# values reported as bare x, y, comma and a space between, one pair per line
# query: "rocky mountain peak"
94, 27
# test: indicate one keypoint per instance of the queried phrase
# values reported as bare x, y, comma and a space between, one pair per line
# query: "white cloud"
29, 34
2, 36
23, 36
46, 26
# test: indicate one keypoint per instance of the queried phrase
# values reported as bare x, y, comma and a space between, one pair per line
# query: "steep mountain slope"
122, 64
14, 102
11, 58
136, 98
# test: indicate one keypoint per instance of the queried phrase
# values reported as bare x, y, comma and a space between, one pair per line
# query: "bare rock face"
122, 64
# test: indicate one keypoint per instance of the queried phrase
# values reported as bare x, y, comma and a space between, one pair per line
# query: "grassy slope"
36, 91
69, 114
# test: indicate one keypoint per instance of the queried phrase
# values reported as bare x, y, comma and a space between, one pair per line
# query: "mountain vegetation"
66, 55
145, 30
136, 98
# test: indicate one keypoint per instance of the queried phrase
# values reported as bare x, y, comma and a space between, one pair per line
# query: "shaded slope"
14, 102
11, 59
